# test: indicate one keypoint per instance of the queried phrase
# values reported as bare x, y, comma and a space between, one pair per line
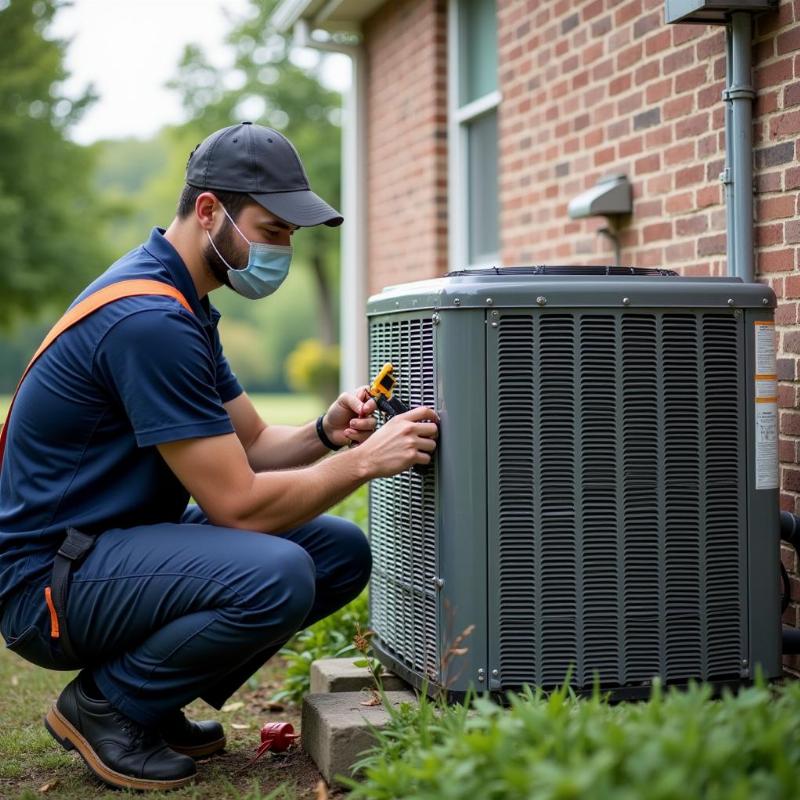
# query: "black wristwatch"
323, 437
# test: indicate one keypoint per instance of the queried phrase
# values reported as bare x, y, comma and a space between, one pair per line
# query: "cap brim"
303, 208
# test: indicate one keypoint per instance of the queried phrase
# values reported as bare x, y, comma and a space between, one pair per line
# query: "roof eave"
333, 15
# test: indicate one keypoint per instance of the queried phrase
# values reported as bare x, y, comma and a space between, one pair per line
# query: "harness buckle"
76, 545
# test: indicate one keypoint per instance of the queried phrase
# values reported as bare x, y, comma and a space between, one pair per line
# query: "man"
124, 416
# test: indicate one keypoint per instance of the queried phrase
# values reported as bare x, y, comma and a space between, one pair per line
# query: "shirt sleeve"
228, 387
161, 367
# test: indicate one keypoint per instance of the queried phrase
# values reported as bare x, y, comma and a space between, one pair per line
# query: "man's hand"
403, 441
349, 419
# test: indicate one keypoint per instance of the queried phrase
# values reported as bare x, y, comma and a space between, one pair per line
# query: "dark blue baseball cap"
263, 163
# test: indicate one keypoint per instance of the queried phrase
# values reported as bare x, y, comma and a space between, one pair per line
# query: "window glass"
477, 49
483, 211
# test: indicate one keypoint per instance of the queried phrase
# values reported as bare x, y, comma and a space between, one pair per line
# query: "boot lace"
139, 734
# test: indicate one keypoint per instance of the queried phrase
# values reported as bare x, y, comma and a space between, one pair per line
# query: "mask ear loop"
234, 224
222, 258
225, 210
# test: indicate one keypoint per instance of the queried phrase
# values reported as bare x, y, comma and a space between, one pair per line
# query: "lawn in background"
276, 409
287, 409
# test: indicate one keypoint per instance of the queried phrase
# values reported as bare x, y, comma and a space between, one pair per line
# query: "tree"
48, 248
273, 91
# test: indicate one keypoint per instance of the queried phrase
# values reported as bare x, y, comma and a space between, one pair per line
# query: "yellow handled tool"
382, 389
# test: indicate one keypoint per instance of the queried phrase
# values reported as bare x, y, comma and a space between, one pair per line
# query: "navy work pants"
163, 614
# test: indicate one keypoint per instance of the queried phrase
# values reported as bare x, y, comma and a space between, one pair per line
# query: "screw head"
435, 319
495, 673
764, 301
541, 300
626, 301
731, 302
489, 301
494, 324
457, 302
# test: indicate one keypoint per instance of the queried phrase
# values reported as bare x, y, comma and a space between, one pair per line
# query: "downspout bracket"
740, 93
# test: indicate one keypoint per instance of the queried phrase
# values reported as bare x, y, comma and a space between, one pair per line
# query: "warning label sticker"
765, 349
766, 445
766, 388
766, 395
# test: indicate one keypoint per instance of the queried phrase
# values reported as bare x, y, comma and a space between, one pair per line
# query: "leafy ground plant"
333, 636
678, 745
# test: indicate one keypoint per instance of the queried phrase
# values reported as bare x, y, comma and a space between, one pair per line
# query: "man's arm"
216, 471
271, 447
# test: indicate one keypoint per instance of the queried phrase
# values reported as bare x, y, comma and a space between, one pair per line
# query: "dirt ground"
294, 766
33, 766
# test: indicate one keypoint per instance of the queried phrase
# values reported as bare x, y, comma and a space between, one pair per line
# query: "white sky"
129, 49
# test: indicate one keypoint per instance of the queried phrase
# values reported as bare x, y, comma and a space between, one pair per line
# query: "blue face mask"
267, 267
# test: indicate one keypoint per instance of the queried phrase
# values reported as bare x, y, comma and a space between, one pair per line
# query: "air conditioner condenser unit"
603, 502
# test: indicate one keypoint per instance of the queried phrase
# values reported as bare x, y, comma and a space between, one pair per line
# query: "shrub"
314, 367
680, 744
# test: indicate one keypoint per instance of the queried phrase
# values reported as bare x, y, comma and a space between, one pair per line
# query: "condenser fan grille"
620, 478
403, 597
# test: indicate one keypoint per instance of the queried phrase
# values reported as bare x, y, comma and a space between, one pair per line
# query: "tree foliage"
266, 87
48, 248
67, 211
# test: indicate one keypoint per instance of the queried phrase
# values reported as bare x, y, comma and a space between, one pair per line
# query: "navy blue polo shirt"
81, 451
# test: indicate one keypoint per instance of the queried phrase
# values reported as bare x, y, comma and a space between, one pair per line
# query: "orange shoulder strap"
108, 294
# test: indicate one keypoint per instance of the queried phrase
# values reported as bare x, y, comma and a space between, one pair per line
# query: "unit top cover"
573, 286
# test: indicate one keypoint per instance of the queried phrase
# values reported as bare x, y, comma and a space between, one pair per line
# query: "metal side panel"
616, 498
461, 391
403, 511
763, 518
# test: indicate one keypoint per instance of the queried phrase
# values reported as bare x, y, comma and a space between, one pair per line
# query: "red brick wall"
595, 87
407, 130
592, 87
777, 79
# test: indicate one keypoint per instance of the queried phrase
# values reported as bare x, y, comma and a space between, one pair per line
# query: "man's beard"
225, 244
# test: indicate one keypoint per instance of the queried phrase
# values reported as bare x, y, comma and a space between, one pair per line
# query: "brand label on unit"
766, 396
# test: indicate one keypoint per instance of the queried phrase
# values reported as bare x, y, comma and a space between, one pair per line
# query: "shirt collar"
163, 251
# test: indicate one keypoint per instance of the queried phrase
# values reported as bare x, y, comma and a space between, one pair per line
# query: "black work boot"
118, 750
196, 739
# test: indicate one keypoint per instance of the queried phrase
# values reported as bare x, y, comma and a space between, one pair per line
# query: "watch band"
323, 437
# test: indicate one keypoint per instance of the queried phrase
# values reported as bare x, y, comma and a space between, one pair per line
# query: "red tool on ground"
277, 737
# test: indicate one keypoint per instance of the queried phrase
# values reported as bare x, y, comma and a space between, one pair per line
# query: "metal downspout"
727, 175
353, 280
740, 150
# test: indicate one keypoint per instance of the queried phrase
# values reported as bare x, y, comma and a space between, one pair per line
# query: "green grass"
29, 758
287, 409
276, 409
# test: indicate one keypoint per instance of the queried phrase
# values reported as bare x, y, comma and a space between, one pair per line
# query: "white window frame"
457, 173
